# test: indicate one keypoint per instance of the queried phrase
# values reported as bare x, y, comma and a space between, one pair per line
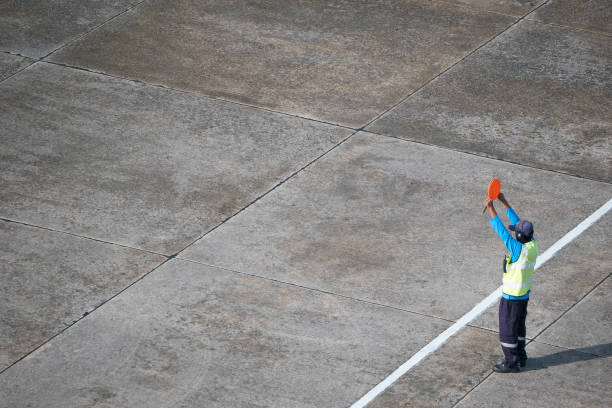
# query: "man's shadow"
568, 357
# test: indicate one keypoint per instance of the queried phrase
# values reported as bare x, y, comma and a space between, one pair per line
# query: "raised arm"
512, 215
489, 204
501, 197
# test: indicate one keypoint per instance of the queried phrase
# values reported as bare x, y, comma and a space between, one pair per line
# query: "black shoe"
502, 368
523, 362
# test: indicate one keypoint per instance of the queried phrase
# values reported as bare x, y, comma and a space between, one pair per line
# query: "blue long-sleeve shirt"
512, 244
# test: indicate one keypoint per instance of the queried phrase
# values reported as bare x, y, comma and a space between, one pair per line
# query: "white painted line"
477, 310
569, 237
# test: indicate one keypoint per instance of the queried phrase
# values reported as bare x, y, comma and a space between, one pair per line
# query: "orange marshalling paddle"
494, 189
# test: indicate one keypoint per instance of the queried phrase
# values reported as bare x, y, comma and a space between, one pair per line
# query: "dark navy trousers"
512, 330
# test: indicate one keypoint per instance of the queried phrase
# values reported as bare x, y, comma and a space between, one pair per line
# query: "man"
517, 277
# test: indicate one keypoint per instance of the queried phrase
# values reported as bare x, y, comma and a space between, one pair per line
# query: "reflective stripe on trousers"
508, 345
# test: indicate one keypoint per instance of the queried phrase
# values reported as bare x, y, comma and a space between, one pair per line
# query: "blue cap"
523, 226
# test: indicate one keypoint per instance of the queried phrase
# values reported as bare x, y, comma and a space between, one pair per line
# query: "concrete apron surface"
398, 223
363, 258
190, 335
342, 62
139, 165
537, 95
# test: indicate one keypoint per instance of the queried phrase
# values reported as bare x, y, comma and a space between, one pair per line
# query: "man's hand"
488, 203
503, 200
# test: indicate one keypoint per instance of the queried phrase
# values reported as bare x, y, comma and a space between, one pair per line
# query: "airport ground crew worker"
518, 272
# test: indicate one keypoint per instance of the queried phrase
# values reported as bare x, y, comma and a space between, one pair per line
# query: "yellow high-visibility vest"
519, 275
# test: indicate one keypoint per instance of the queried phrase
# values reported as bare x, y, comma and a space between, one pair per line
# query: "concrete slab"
50, 279
10, 64
588, 324
192, 336
138, 165
36, 27
594, 15
564, 279
342, 62
554, 377
395, 222
538, 95
445, 376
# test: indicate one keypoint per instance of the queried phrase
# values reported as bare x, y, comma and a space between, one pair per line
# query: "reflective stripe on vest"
519, 275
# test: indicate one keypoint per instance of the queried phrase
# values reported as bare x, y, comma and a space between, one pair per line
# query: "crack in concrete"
17, 54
